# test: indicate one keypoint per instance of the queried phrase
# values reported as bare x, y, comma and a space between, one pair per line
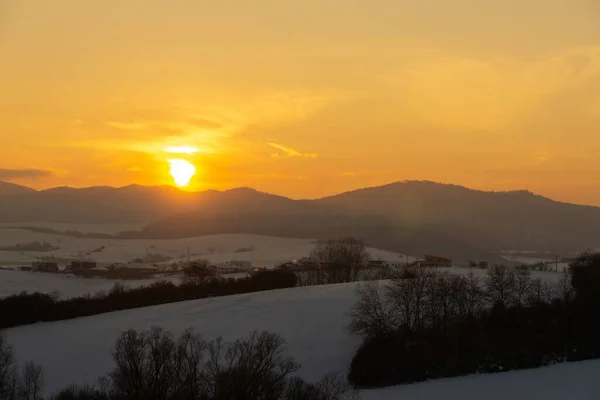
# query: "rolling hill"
313, 320
518, 220
407, 217
10, 189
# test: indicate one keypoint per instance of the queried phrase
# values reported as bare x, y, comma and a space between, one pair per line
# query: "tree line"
333, 261
437, 325
156, 365
28, 308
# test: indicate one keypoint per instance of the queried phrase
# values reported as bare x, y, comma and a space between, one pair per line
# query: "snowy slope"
267, 251
312, 320
65, 286
571, 381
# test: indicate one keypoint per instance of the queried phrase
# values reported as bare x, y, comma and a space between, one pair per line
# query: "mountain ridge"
250, 189
419, 214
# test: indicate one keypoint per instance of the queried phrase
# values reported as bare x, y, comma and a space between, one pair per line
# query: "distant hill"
95, 204
517, 220
376, 231
134, 204
174, 214
409, 217
10, 189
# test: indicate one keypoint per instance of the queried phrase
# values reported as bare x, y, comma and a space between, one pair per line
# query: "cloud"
182, 150
289, 152
10, 174
541, 156
127, 126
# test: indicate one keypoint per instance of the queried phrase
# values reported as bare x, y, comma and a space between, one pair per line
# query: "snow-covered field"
313, 322
216, 248
560, 266
65, 286
265, 251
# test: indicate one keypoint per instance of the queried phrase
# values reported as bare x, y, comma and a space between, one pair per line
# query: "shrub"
81, 393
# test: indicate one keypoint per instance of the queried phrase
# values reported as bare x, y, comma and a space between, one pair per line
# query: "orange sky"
303, 98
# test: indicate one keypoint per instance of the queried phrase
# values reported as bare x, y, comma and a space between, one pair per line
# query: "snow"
14, 282
312, 320
569, 381
266, 251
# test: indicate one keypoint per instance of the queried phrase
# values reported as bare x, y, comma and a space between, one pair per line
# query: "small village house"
44, 266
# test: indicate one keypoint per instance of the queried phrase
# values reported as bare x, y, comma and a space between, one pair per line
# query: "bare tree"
371, 315
197, 272
153, 365
565, 290
8, 370
340, 260
522, 285
148, 365
541, 291
191, 353
249, 369
471, 296
31, 382
408, 299
500, 285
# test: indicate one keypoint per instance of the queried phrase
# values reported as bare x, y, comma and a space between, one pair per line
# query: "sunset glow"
182, 171
303, 99
181, 150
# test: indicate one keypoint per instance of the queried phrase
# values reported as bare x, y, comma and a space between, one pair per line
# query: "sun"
182, 171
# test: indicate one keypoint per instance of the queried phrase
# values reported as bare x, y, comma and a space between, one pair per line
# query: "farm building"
119, 271
434, 261
44, 266
385, 264
79, 265
233, 266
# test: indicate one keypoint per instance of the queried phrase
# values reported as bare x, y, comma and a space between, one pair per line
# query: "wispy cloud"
9, 173
127, 126
289, 152
182, 150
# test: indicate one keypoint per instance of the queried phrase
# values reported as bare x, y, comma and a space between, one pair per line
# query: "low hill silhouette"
409, 217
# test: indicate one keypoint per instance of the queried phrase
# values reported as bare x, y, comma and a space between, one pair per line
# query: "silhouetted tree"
8, 370
585, 272
500, 285
197, 272
248, 369
340, 260
31, 382
522, 285
81, 393
371, 315
152, 365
